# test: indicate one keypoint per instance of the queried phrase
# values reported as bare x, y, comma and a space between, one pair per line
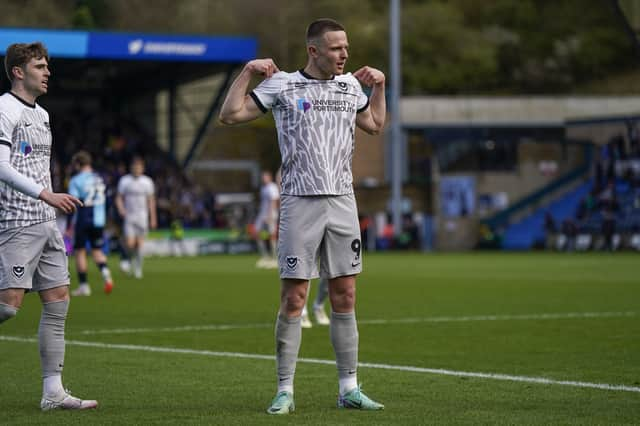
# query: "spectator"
550, 230
408, 238
570, 231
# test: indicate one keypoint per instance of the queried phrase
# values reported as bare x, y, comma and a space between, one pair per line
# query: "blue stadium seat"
523, 235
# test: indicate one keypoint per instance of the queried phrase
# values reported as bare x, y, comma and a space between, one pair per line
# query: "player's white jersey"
135, 192
316, 122
268, 194
25, 129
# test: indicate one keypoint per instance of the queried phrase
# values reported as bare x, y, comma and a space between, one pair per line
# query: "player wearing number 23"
90, 219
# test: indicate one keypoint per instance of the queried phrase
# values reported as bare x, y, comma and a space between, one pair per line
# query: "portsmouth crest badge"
18, 271
292, 262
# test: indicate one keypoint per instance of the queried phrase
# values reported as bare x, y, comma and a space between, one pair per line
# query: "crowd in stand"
177, 198
609, 215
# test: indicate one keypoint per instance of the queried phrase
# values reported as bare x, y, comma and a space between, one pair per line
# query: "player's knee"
293, 302
343, 300
56, 310
7, 312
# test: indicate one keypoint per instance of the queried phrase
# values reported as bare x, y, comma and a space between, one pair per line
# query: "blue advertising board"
134, 46
170, 47
61, 44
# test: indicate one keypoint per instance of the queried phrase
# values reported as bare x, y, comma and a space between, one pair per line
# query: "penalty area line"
438, 371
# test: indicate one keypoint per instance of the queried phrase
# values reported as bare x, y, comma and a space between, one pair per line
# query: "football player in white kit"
32, 251
136, 203
266, 223
316, 110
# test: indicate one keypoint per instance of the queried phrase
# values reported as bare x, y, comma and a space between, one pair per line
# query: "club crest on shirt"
25, 148
343, 86
18, 271
292, 262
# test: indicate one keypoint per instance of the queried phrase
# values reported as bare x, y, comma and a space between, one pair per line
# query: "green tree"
441, 53
448, 47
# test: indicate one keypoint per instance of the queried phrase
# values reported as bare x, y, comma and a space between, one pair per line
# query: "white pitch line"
492, 376
222, 327
177, 329
567, 315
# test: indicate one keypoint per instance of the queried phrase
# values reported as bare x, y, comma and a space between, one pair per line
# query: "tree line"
448, 47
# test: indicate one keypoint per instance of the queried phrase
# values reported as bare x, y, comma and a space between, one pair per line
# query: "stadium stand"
524, 234
104, 97
601, 214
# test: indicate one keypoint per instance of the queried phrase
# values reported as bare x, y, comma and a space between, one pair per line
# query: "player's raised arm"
238, 107
372, 119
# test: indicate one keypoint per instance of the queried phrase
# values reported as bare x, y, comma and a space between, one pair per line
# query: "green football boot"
282, 404
356, 399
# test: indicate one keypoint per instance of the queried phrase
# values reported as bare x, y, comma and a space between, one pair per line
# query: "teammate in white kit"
32, 251
136, 203
316, 110
266, 223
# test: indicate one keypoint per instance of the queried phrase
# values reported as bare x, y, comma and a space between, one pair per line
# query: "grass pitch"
192, 343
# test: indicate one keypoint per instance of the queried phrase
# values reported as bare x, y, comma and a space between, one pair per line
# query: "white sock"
285, 388
348, 384
106, 274
262, 248
272, 249
344, 337
137, 261
288, 337
52, 385
305, 312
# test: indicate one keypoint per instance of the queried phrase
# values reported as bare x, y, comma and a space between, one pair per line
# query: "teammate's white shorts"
135, 228
261, 224
33, 257
323, 228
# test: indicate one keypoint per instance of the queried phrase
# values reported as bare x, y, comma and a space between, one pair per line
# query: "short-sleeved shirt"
25, 129
316, 122
89, 187
135, 192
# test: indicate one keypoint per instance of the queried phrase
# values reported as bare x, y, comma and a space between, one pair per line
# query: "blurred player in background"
136, 203
316, 110
318, 306
266, 223
32, 251
88, 222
